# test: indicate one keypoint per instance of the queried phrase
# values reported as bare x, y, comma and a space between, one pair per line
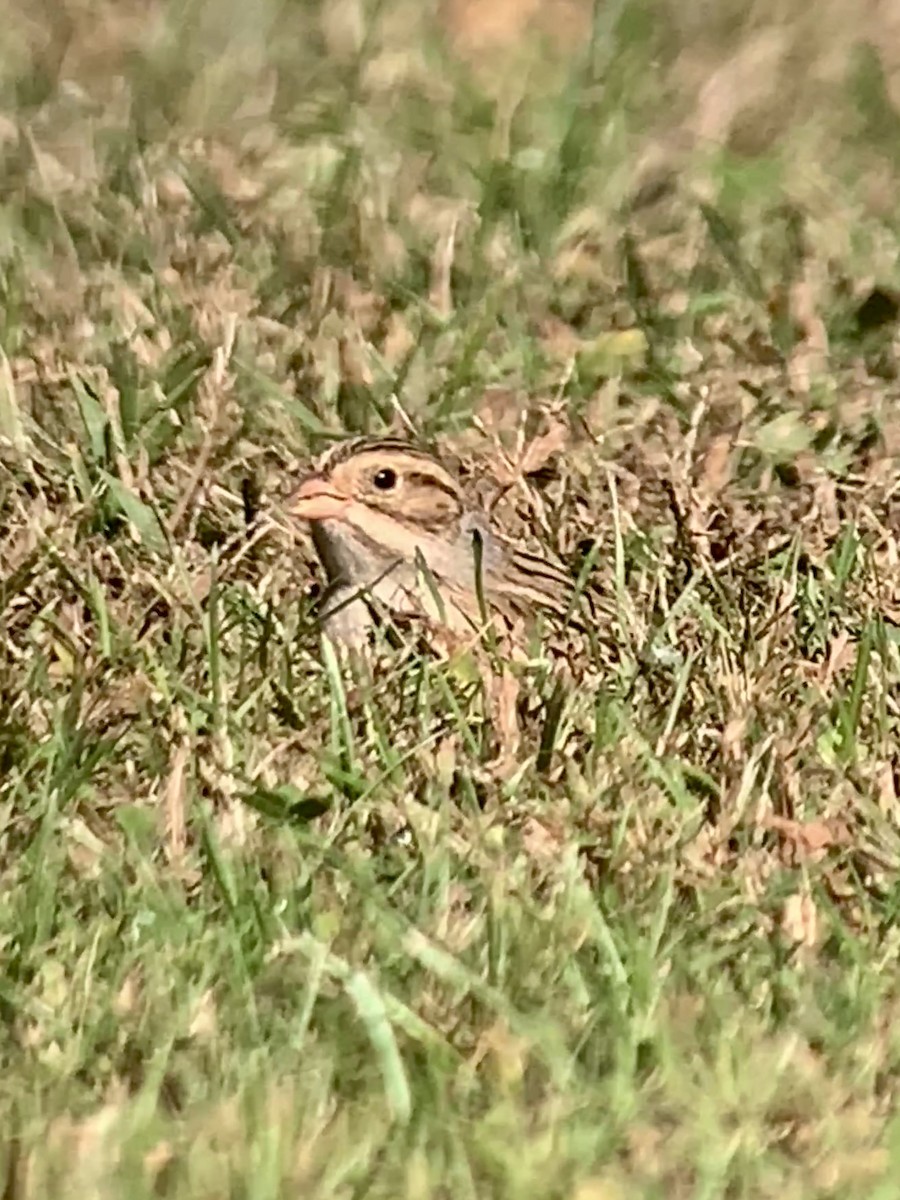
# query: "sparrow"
396, 538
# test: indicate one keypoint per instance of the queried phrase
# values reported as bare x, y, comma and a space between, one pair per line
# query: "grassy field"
268, 930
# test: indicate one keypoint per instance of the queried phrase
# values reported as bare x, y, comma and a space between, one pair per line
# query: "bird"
395, 535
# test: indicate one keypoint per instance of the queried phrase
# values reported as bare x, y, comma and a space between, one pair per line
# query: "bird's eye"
385, 479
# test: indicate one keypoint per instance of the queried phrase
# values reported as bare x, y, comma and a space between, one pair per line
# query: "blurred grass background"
228, 230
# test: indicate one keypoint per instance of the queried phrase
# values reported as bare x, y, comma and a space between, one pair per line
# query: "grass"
269, 928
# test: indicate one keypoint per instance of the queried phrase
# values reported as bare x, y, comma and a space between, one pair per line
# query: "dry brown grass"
648, 288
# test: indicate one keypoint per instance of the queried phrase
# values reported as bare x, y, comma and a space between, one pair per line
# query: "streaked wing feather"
531, 579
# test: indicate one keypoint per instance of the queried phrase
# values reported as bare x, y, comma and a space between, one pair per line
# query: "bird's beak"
317, 500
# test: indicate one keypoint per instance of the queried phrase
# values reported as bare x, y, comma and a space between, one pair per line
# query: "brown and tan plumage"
392, 529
